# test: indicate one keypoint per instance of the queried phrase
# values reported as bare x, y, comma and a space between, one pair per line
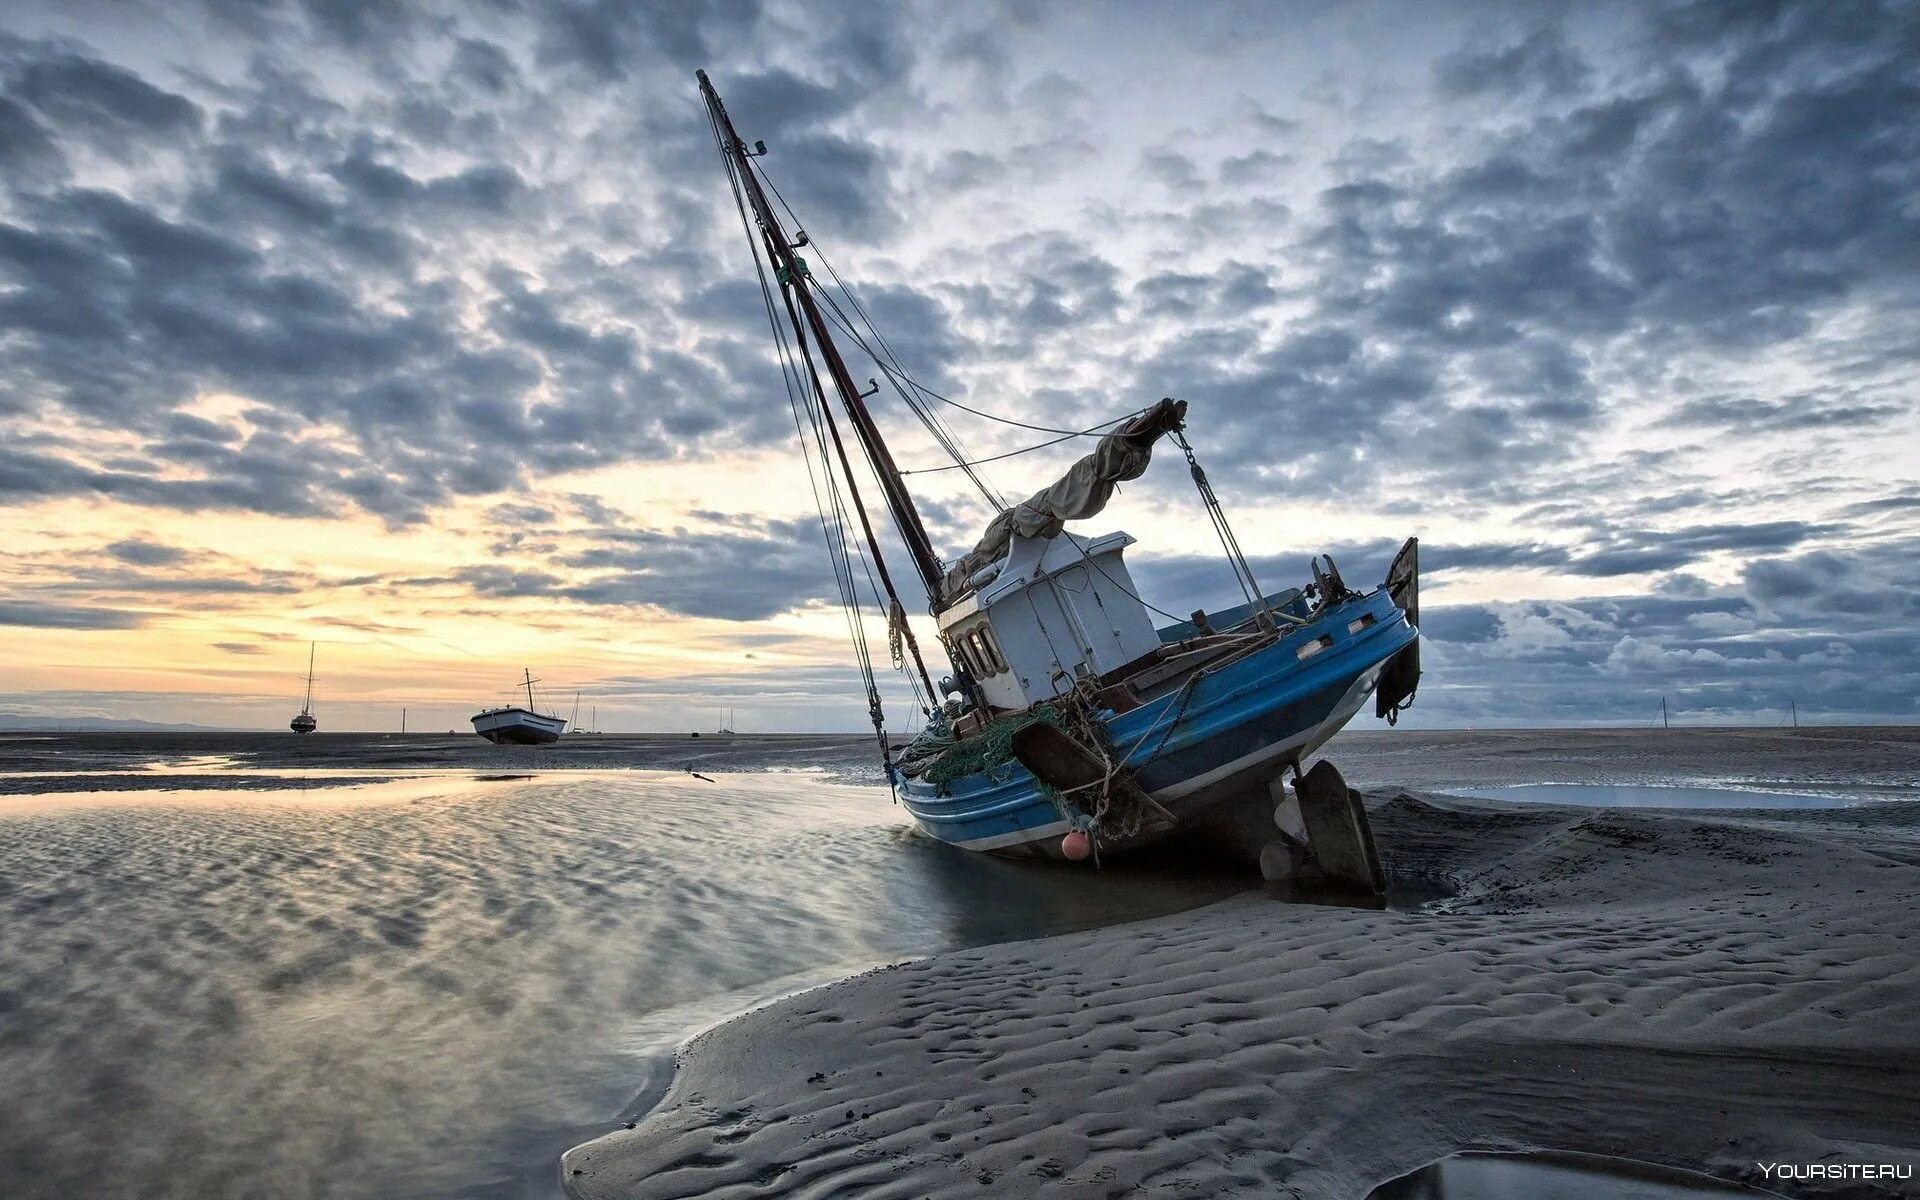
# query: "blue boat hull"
1227, 734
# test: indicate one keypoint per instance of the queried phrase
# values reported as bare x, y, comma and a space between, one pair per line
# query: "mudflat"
1725, 992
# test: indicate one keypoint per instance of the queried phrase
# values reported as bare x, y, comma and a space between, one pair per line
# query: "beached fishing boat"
1072, 723
513, 725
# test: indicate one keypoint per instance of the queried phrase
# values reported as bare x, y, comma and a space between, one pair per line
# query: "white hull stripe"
1000, 841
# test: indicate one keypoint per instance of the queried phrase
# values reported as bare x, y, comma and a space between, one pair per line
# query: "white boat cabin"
1052, 611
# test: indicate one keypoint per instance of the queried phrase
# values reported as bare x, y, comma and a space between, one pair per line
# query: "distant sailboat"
304, 723
514, 725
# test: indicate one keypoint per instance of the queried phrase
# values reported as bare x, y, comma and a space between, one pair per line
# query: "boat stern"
1400, 678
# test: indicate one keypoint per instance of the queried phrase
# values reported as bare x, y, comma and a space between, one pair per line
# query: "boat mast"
794, 279
307, 704
530, 683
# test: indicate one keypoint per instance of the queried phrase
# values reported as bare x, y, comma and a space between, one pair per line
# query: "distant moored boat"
514, 725
304, 722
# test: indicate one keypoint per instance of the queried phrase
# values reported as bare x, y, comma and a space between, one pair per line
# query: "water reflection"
981, 899
430, 986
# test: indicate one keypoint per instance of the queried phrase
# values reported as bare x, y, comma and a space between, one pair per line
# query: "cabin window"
1323, 642
995, 659
961, 655
977, 646
1360, 622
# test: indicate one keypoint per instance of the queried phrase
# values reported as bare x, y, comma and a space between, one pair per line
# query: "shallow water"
1665, 796
360, 966
434, 984
250, 759
1554, 1176
431, 986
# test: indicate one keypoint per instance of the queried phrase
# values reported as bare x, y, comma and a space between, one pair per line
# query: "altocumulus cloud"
1624, 298
67, 616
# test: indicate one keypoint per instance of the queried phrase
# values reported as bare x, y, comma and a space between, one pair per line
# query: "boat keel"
1324, 833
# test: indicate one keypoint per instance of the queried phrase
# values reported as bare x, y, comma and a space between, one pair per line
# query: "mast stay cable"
904, 376
828, 502
1242, 570
889, 364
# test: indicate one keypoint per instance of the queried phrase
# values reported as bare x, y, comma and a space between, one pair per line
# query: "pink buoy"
1076, 845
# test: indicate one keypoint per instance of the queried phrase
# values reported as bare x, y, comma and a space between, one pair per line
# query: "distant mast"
304, 722
1663, 713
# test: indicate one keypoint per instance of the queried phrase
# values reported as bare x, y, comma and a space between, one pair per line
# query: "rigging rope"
1022, 424
1009, 454
889, 364
1242, 571
846, 467
828, 503
934, 426
886, 360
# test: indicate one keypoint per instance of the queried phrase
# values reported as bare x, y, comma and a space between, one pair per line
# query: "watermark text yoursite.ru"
1811, 1171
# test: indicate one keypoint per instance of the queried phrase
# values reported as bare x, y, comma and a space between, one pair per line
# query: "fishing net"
1112, 808
940, 759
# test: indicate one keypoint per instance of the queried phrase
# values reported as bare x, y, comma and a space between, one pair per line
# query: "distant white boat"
517, 726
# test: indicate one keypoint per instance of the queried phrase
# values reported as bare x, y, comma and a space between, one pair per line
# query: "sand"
1706, 992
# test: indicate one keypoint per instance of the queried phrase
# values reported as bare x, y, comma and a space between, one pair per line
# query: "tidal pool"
1554, 1175
1597, 795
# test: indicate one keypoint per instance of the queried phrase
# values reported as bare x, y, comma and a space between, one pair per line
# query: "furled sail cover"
1081, 492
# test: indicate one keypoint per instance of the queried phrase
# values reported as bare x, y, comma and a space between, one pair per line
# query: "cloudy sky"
427, 332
